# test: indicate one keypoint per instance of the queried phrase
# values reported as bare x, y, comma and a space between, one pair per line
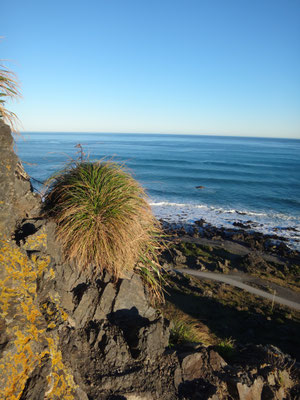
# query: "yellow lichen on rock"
37, 241
31, 339
60, 382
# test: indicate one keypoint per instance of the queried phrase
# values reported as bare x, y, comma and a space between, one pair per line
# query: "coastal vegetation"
226, 348
9, 90
181, 333
104, 221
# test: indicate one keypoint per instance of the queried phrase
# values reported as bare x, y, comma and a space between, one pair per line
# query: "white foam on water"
166, 203
267, 223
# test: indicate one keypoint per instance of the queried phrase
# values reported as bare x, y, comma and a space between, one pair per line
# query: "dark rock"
241, 225
105, 304
37, 384
240, 212
289, 228
239, 237
23, 231
200, 364
132, 294
17, 200
4, 337
114, 337
178, 258
192, 367
86, 308
252, 262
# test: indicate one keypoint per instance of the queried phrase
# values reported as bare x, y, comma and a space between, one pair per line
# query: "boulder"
131, 299
252, 392
200, 364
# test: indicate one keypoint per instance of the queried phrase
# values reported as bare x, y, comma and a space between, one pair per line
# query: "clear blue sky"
166, 66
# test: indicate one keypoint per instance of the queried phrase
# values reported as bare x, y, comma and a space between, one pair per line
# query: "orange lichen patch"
61, 384
53, 312
62, 313
37, 241
51, 325
51, 273
29, 340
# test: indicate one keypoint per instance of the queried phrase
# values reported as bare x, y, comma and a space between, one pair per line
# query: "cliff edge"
65, 335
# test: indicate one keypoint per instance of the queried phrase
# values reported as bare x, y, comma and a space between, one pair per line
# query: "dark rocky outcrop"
17, 200
67, 334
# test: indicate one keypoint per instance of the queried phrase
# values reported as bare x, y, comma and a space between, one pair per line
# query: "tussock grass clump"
104, 220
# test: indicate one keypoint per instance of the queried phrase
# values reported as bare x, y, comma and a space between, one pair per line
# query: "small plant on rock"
181, 333
226, 348
104, 220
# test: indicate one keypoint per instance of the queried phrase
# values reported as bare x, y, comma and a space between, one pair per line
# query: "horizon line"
165, 133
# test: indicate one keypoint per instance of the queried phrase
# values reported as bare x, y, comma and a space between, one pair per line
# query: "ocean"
250, 180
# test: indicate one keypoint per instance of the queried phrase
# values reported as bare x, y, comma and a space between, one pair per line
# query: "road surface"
291, 299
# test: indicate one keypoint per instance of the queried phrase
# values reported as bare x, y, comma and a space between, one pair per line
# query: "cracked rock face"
114, 341
16, 198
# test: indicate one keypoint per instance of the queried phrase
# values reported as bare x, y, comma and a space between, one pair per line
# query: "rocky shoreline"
241, 234
68, 335
287, 229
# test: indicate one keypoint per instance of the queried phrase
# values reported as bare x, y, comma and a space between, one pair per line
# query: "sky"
156, 66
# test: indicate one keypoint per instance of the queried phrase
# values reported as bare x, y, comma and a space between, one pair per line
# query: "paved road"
236, 281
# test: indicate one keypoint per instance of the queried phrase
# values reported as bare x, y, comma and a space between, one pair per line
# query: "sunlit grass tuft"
181, 332
104, 220
226, 348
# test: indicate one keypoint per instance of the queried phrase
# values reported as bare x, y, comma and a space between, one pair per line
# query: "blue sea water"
244, 179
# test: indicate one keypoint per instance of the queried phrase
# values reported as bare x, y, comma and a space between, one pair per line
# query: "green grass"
226, 348
181, 333
195, 250
104, 220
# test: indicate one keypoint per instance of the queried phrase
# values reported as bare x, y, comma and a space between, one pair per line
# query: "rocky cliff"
16, 198
65, 335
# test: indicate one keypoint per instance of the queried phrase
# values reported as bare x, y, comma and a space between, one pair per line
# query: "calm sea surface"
244, 179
